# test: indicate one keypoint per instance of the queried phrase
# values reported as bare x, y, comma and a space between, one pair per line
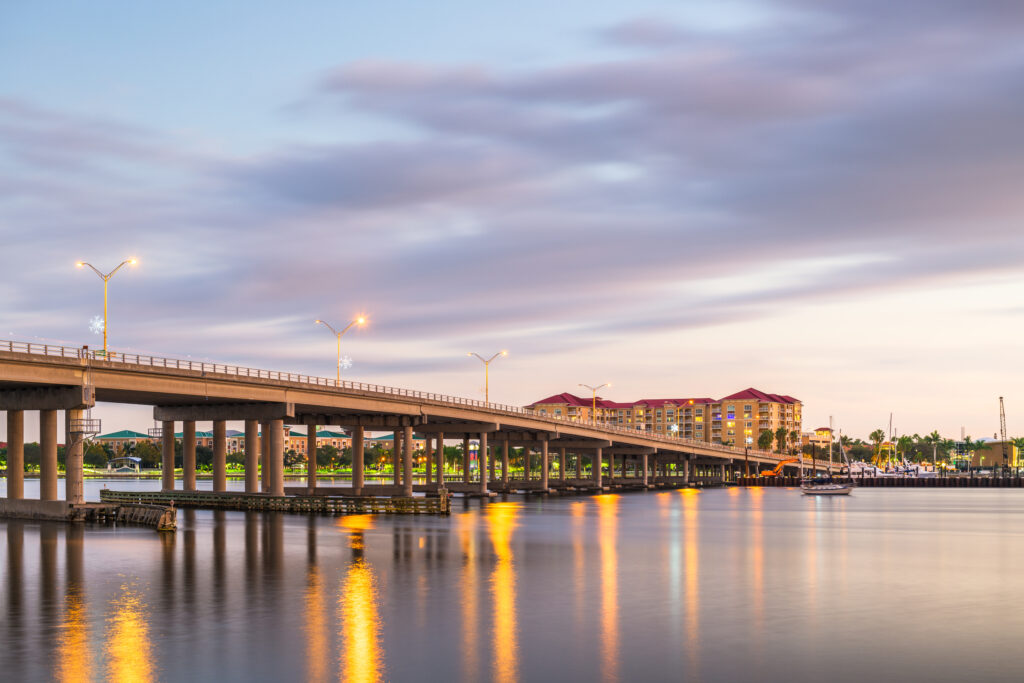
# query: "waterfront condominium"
735, 419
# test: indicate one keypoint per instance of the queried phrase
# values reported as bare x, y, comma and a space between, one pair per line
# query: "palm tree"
794, 439
904, 444
780, 439
877, 437
764, 440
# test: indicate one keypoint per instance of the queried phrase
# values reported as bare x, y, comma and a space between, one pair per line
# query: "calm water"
725, 585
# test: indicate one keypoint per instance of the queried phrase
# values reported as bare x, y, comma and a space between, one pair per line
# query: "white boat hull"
828, 490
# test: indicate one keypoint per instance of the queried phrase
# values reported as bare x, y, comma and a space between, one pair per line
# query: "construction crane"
1002, 433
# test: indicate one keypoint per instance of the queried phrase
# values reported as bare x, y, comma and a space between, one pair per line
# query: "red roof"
573, 400
659, 402
752, 394
568, 399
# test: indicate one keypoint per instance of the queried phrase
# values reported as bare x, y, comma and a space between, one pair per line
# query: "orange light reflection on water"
317, 647
691, 550
501, 522
73, 659
607, 530
362, 657
129, 650
467, 539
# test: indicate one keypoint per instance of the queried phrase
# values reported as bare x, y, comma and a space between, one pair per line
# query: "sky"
820, 199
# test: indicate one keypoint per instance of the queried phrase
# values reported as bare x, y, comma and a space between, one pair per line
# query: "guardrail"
90, 355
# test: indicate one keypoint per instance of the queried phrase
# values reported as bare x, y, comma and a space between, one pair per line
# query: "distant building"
122, 441
735, 419
996, 454
819, 438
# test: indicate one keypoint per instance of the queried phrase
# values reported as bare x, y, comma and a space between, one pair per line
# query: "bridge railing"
90, 355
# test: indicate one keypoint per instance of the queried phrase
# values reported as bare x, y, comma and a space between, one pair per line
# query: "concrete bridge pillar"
561, 465
74, 483
188, 455
465, 459
265, 456
595, 465
167, 439
482, 453
504, 462
396, 458
276, 457
491, 461
544, 464
579, 466
429, 452
527, 465
15, 454
48, 455
407, 462
311, 459
220, 455
357, 460
686, 470
252, 456
439, 459
643, 464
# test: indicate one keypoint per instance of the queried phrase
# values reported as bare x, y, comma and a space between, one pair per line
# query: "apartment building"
735, 419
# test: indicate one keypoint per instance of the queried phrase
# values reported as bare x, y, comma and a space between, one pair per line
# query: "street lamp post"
487, 368
593, 392
358, 321
106, 279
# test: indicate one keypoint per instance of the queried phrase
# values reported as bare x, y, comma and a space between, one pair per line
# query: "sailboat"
824, 486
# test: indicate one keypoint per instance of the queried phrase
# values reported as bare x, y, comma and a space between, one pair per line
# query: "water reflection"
501, 522
362, 658
74, 662
468, 591
607, 530
691, 532
128, 648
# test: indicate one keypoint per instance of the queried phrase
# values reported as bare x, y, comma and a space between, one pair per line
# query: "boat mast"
830, 446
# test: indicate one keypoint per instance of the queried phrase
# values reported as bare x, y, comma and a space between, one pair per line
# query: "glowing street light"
487, 368
106, 279
593, 390
358, 321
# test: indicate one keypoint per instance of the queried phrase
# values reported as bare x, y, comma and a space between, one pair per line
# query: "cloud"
560, 206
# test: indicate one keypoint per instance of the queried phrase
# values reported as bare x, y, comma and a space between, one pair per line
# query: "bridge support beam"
544, 464
188, 455
220, 456
311, 458
428, 451
482, 453
527, 461
465, 459
357, 460
15, 454
167, 438
504, 462
595, 461
643, 464
491, 461
561, 464
265, 456
396, 458
579, 466
276, 457
439, 459
48, 455
252, 456
407, 462
74, 481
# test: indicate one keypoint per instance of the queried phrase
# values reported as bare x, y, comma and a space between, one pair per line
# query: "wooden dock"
960, 481
331, 505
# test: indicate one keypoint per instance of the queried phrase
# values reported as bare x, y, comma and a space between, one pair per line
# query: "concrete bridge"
47, 379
